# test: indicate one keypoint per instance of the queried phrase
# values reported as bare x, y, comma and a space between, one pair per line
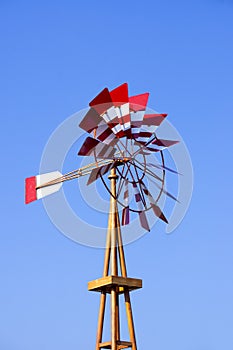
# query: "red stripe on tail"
30, 189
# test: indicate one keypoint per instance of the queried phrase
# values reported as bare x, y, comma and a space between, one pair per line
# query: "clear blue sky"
57, 55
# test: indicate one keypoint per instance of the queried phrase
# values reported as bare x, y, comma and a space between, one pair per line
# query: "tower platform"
106, 284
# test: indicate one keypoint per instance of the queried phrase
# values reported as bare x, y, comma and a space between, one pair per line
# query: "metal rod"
75, 173
148, 171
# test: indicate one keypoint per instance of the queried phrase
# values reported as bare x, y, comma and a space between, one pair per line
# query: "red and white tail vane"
122, 134
39, 186
33, 191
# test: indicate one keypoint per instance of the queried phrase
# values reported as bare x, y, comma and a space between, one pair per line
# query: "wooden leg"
114, 269
121, 249
100, 320
114, 320
117, 317
107, 254
130, 320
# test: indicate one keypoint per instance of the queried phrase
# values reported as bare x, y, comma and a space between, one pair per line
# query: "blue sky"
55, 56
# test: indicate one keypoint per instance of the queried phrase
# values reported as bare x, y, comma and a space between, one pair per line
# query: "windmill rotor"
125, 131
122, 135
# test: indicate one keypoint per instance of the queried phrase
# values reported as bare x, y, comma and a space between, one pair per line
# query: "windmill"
122, 137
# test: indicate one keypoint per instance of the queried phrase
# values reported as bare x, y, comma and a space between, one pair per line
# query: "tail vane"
36, 188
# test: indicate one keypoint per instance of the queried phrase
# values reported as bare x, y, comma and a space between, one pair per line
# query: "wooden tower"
115, 281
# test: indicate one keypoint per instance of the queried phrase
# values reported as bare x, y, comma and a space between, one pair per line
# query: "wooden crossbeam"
120, 345
107, 283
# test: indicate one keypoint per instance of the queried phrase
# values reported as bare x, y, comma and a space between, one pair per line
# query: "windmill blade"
110, 111
164, 143
162, 167
125, 216
32, 184
141, 213
102, 170
94, 123
120, 96
156, 145
157, 211
97, 119
163, 190
143, 220
150, 173
142, 137
154, 119
148, 127
88, 146
120, 99
111, 118
125, 211
101, 102
137, 106
91, 120
96, 173
117, 114
104, 134
144, 169
95, 147
114, 108
138, 102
